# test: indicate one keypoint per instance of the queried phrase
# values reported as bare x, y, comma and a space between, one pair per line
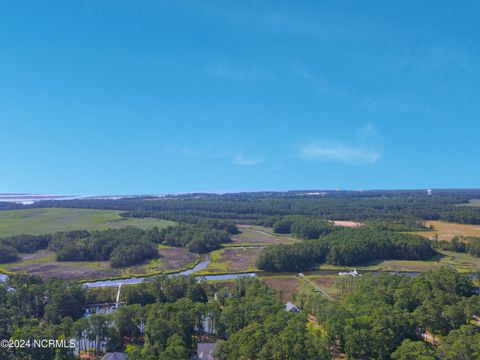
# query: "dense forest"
400, 206
345, 247
432, 316
385, 316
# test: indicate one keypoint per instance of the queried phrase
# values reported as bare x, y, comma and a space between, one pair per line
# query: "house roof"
115, 356
205, 351
291, 307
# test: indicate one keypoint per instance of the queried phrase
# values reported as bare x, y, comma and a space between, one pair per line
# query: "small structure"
225, 295
349, 273
291, 307
115, 356
204, 351
429, 192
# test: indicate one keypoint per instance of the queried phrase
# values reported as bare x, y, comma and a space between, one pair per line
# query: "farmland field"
46, 221
447, 231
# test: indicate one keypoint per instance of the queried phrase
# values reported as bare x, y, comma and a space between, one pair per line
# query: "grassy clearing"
350, 224
47, 221
44, 263
447, 231
259, 235
388, 265
327, 283
232, 260
459, 261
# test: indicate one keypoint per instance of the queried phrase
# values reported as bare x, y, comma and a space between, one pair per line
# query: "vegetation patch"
43, 263
329, 284
233, 260
285, 286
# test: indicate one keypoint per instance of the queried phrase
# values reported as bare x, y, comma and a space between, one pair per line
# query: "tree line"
345, 247
391, 206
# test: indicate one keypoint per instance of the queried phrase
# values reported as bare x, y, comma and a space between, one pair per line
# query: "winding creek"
136, 280
203, 264
200, 266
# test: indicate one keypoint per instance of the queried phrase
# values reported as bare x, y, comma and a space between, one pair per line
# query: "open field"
473, 202
44, 263
46, 221
232, 260
351, 224
285, 286
258, 235
447, 231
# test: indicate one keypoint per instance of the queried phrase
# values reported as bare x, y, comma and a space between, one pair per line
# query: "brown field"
447, 231
351, 224
233, 259
258, 235
284, 286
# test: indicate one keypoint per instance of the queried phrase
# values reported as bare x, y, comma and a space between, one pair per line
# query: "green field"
47, 221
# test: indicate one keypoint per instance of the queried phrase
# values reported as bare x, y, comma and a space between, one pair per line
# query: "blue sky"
124, 97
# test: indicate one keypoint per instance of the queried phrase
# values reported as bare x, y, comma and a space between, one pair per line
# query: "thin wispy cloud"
334, 151
243, 160
366, 150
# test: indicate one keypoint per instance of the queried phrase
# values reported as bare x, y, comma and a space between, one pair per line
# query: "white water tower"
429, 192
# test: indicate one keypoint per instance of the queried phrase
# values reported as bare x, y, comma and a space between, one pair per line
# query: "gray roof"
205, 351
115, 356
291, 307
